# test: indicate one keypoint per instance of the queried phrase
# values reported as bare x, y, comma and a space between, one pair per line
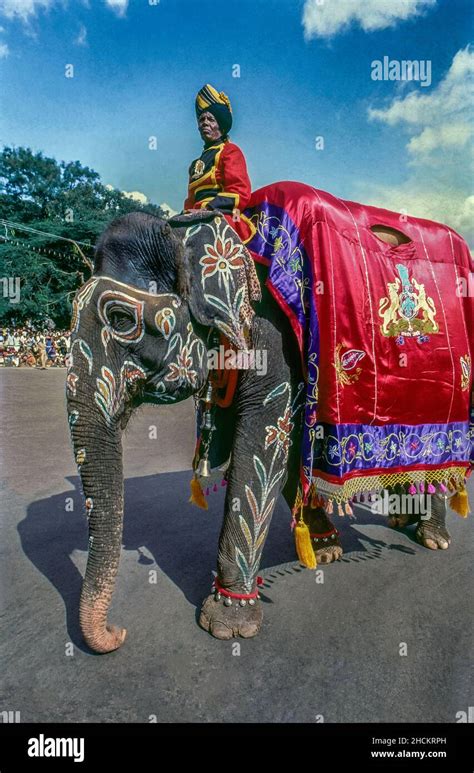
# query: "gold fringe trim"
453, 477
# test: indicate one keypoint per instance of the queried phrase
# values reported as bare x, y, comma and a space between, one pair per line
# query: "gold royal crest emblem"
407, 311
198, 169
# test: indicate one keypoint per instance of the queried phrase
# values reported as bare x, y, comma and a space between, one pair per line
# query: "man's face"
208, 127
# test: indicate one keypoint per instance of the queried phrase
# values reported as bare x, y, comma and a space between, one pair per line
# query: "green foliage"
60, 200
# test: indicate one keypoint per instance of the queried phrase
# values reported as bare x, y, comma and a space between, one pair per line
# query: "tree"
46, 206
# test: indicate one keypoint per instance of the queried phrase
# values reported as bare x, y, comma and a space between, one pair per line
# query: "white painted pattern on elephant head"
82, 299
189, 355
165, 320
85, 351
109, 396
111, 300
71, 383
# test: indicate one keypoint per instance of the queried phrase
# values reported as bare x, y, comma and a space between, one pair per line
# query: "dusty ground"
329, 649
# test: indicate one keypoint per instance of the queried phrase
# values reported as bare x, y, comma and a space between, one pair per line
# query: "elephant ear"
222, 278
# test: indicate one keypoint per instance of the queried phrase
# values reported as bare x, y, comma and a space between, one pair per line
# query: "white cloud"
439, 148
136, 196
169, 211
81, 39
441, 137
446, 203
23, 9
441, 120
4, 50
118, 6
449, 97
324, 18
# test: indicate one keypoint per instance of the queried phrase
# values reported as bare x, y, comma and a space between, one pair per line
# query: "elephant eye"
120, 318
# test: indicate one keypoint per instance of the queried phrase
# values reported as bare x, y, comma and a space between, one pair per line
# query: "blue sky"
305, 71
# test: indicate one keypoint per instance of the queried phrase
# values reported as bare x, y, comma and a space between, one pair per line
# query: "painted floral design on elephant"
82, 299
71, 383
113, 301
182, 370
109, 395
85, 350
228, 263
165, 320
261, 504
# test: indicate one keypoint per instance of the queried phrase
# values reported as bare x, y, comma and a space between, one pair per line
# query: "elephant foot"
402, 520
324, 536
228, 622
431, 531
433, 535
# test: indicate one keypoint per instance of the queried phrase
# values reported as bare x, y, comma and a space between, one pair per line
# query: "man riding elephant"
218, 179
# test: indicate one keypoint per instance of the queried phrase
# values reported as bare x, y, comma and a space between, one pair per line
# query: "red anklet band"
224, 592
325, 534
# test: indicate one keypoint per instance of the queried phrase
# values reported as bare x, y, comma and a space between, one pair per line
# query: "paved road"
329, 649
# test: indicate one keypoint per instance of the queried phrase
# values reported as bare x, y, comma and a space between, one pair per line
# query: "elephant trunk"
98, 452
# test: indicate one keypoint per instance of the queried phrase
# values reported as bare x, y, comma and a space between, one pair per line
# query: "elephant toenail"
247, 630
221, 631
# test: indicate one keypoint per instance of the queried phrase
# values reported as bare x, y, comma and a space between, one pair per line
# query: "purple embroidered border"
347, 447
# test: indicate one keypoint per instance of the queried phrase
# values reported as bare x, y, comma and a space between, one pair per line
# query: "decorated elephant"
163, 298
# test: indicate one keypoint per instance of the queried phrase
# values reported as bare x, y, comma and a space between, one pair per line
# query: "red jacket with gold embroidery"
218, 179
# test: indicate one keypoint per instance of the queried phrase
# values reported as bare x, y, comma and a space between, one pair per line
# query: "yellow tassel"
197, 495
460, 503
304, 549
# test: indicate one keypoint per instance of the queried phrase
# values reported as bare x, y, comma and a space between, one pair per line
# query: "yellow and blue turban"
217, 103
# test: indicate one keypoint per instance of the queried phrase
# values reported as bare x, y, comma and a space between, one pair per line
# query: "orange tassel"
197, 495
460, 503
348, 508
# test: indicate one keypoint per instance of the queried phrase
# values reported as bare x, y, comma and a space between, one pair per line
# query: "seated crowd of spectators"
32, 348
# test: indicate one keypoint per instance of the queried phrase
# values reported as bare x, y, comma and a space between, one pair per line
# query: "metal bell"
252, 602
243, 602
207, 422
228, 602
204, 468
217, 596
207, 396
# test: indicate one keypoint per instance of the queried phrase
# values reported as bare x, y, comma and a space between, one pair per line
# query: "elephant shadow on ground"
165, 530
